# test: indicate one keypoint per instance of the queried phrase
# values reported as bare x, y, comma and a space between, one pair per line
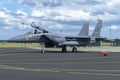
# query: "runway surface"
31, 64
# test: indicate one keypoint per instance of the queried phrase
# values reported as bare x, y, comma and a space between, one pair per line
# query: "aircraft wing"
78, 37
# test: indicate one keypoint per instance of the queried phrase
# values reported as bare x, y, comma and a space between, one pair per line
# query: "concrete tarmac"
31, 64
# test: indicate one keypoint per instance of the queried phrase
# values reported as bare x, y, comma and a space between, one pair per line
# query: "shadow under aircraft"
49, 39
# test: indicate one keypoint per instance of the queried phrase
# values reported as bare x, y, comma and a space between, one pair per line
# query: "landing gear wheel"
42, 50
43, 47
74, 49
64, 49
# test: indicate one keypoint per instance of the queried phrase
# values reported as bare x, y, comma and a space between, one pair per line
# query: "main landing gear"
74, 49
64, 49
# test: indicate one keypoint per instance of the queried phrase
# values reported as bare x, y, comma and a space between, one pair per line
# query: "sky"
54, 15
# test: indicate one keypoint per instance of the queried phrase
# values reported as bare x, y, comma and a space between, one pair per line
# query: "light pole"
110, 31
110, 34
60, 30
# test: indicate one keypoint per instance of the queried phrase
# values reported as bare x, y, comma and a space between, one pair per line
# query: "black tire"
105, 54
43, 47
64, 49
74, 49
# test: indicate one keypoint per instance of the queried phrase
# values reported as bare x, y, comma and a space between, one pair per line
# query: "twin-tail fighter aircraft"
49, 39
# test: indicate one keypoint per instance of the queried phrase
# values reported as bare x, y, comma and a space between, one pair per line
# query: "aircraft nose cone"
10, 40
17, 39
13, 39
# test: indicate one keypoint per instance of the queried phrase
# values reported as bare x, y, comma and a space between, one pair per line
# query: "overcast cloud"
56, 14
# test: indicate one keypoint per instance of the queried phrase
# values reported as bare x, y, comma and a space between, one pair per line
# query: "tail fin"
85, 30
97, 30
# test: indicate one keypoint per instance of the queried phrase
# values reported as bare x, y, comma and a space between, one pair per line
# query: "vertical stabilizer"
85, 30
97, 30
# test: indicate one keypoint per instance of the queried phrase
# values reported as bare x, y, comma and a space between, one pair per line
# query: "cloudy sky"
68, 15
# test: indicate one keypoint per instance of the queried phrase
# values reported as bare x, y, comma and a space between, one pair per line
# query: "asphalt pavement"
31, 64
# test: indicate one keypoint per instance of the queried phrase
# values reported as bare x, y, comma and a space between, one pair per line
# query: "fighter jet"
49, 39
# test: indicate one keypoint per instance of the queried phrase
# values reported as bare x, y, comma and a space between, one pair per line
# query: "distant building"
103, 42
117, 42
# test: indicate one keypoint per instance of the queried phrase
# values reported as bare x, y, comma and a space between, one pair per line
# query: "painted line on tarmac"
13, 54
94, 74
86, 58
58, 63
82, 58
82, 72
72, 60
26, 69
88, 70
62, 59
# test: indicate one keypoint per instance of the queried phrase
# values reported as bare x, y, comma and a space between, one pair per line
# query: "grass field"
88, 49
37, 46
27, 45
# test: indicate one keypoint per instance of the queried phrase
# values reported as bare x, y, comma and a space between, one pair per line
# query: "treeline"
3, 41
